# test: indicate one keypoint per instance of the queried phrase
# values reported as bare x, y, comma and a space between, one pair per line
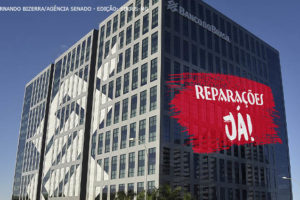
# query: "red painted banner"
218, 111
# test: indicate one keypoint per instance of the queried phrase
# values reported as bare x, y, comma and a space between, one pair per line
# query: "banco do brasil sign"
174, 7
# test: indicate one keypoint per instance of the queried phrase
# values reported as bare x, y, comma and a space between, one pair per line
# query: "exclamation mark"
250, 127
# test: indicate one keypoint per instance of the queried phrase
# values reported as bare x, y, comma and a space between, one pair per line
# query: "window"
125, 110
154, 17
118, 87
127, 58
194, 31
237, 195
185, 26
210, 62
134, 79
243, 170
77, 56
115, 24
224, 67
241, 37
128, 34
131, 164
243, 58
166, 128
123, 137
106, 165
143, 102
196, 158
122, 188
218, 65
177, 46
222, 170
146, 4
133, 106
154, 43
86, 73
130, 187
151, 161
113, 41
145, 48
176, 132
122, 166
209, 39
132, 135
126, 83
194, 55
130, 13
98, 84
237, 173
73, 56
142, 131
154, 2
208, 15
117, 112
107, 141
121, 36
252, 44
262, 176
99, 162
106, 51
114, 167
115, 139
141, 163
136, 53
137, 7
87, 56
104, 192
249, 62
186, 51
120, 63
176, 21
112, 191
153, 98
167, 47
237, 54
100, 143
201, 35
168, 18
263, 51
137, 29
236, 150
108, 118
122, 19
229, 171
223, 46
230, 51
217, 46
144, 74
145, 24
108, 29
231, 69
62, 121
110, 89
152, 129
153, 70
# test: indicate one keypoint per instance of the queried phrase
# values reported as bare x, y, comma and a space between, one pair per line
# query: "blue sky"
31, 41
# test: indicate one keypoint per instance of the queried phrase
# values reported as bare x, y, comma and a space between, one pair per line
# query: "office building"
109, 124
32, 130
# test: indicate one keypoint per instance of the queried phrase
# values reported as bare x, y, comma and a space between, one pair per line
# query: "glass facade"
241, 172
32, 130
133, 66
68, 116
109, 122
